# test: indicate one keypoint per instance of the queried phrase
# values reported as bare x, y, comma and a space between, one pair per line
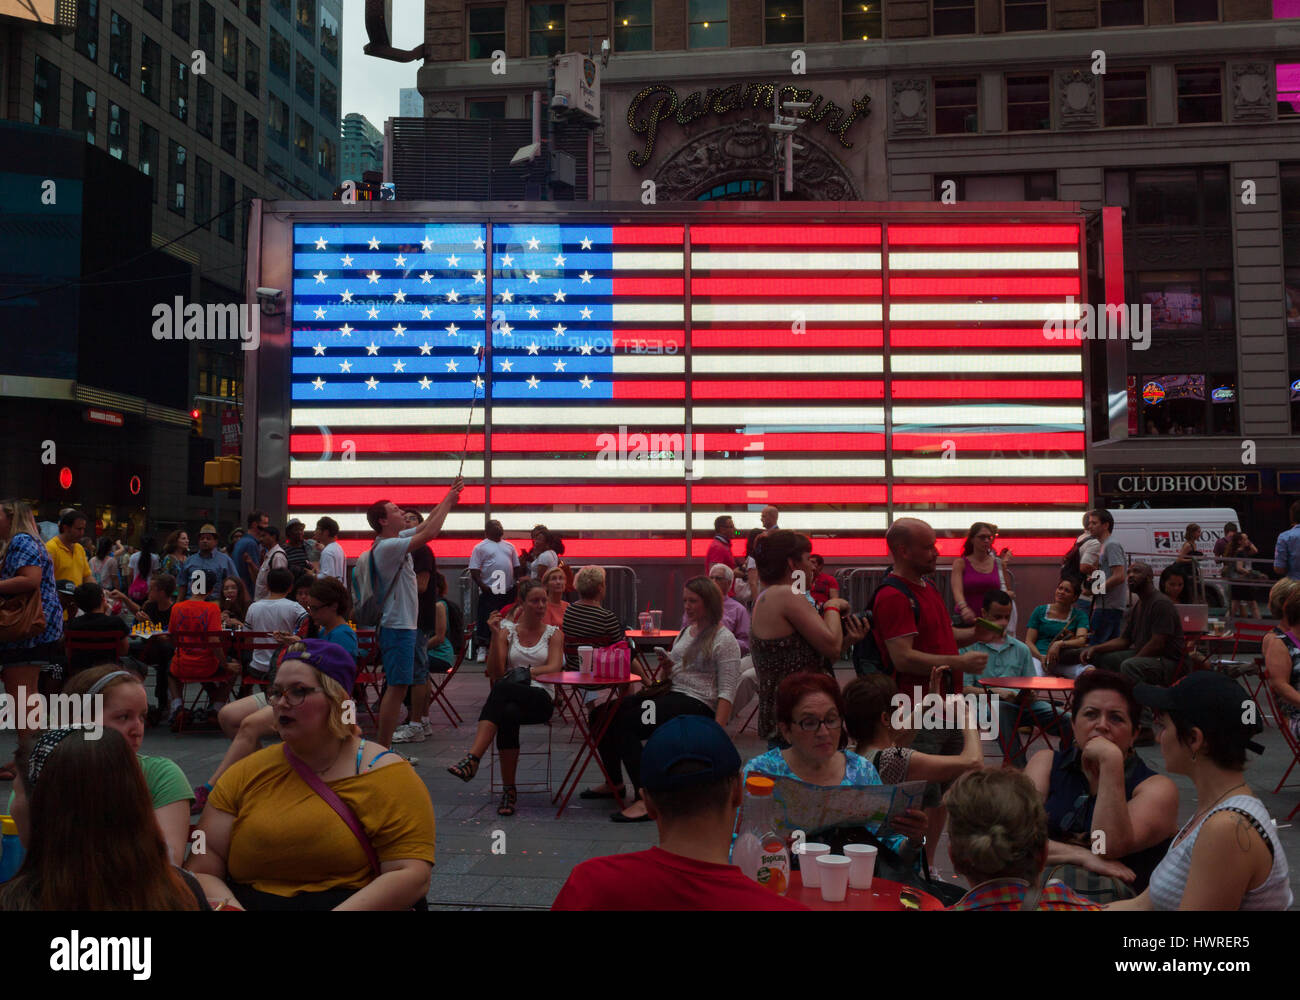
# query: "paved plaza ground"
541, 850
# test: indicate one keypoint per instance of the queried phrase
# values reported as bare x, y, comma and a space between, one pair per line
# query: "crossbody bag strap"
332, 800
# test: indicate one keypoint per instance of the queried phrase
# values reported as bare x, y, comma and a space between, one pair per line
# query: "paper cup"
808, 870
584, 658
834, 872
862, 865
656, 619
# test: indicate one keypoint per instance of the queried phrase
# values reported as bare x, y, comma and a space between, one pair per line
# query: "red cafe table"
571, 680
1050, 686
642, 642
883, 895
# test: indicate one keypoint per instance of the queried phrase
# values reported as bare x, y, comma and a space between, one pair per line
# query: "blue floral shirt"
26, 551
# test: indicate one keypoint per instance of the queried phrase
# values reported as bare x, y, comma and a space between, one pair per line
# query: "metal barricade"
621, 594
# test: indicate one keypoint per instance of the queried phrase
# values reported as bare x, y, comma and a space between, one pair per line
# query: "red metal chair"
370, 675
1248, 668
1284, 726
250, 642
215, 688
438, 685
103, 646
494, 787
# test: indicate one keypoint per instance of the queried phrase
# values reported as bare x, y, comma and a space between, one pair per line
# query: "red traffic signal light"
65, 478
196, 422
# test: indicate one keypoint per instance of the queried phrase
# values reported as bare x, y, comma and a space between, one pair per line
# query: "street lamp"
785, 126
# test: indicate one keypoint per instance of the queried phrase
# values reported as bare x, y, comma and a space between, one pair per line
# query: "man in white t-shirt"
332, 561
494, 566
275, 613
394, 583
275, 558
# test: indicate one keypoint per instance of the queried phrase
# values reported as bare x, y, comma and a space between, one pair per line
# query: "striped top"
1170, 877
709, 676
589, 625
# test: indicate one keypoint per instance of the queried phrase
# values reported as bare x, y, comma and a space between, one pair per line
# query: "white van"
1155, 536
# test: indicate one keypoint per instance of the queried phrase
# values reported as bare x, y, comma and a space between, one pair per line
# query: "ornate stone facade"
1076, 99
909, 107
1252, 92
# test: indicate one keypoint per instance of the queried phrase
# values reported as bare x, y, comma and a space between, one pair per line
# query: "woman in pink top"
977, 571
556, 605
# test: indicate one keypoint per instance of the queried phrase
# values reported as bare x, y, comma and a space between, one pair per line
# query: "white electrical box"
577, 84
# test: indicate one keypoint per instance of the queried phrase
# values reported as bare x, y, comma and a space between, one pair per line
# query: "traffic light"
223, 473
196, 422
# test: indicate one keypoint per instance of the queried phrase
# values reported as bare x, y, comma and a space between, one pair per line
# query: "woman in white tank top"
1227, 856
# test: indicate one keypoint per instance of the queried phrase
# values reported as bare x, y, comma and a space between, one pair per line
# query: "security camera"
604, 52
525, 153
270, 296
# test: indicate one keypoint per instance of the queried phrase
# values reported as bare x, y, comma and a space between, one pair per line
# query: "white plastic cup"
808, 855
862, 865
584, 658
833, 870
656, 620
645, 619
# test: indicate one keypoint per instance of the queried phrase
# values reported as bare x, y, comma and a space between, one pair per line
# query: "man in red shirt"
720, 548
193, 660
690, 776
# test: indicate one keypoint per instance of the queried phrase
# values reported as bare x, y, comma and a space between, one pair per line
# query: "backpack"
1070, 564
368, 607
869, 656
455, 625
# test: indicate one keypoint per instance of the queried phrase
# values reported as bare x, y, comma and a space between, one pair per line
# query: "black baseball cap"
687, 738
1208, 700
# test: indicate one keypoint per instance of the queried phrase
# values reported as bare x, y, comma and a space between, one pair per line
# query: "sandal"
465, 768
508, 798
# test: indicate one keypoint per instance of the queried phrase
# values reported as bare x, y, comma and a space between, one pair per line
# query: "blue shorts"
421, 674
397, 648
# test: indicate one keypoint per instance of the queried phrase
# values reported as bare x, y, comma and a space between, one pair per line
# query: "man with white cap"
212, 563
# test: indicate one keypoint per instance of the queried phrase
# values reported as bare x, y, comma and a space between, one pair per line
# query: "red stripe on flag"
314, 444
632, 287
648, 390
964, 236
977, 337
784, 236
1064, 440
821, 389
970, 389
784, 338
1018, 285
443, 548
541, 495
623, 236
812, 441
1073, 494
424, 496
774, 287
813, 493
675, 440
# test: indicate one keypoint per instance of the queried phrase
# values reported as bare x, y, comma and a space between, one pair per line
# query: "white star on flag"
585, 348
453, 261
372, 383
451, 364
559, 295
372, 348
374, 243
346, 296
427, 243
320, 277
507, 329
345, 366
399, 330
347, 260
399, 296
319, 348
532, 382
507, 296
399, 366
532, 277
586, 243
453, 296
478, 243
478, 381
320, 312
319, 383
372, 313
426, 277
345, 330
478, 312
559, 366
478, 277
532, 348
426, 348
507, 365
559, 260
559, 329
586, 382
374, 277
426, 312
532, 312
399, 261
453, 329
586, 313
533, 244
586, 277
321, 243
507, 261
425, 383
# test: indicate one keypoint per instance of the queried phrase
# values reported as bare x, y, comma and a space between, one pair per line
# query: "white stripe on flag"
1068, 417
993, 363
756, 419
654, 364
704, 260
798, 364
966, 312
648, 312
1017, 260
504, 414
744, 468
1006, 520
385, 416
785, 312
388, 468
647, 261
562, 521
982, 469
808, 520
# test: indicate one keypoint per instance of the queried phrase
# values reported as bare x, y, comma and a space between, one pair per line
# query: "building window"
119, 125
490, 107
202, 192
45, 106
706, 24
954, 17
327, 160
1191, 11
1188, 403
83, 110
150, 69
487, 31
181, 18
1124, 97
329, 37
307, 20
304, 78
229, 124
155, 8
956, 106
782, 22
1029, 103
1170, 198
860, 22
252, 128
229, 50
176, 177
207, 29
1040, 186
1200, 94
1121, 13
278, 126
148, 159
252, 68
302, 139
329, 100
119, 47
279, 54
281, 7
180, 96
87, 38
226, 206
634, 25
253, 8
205, 109
1024, 15
545, 29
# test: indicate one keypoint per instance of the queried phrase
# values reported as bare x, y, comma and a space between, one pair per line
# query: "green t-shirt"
167, 782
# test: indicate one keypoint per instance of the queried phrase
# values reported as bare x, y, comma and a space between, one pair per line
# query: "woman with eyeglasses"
1109, 816
273, 840
810, 713
977, 571
701, 670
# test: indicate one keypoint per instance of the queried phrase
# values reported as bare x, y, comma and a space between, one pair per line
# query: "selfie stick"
472, 400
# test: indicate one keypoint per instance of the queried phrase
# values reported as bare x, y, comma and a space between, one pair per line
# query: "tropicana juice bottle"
761, 852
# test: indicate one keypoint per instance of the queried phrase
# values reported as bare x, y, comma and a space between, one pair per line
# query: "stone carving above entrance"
909, 107
1076, 99
744, 151
1252, 93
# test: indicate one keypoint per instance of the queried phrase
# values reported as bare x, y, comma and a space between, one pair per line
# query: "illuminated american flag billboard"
633, 381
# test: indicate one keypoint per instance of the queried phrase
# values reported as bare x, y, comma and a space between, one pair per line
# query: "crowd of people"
324, 818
